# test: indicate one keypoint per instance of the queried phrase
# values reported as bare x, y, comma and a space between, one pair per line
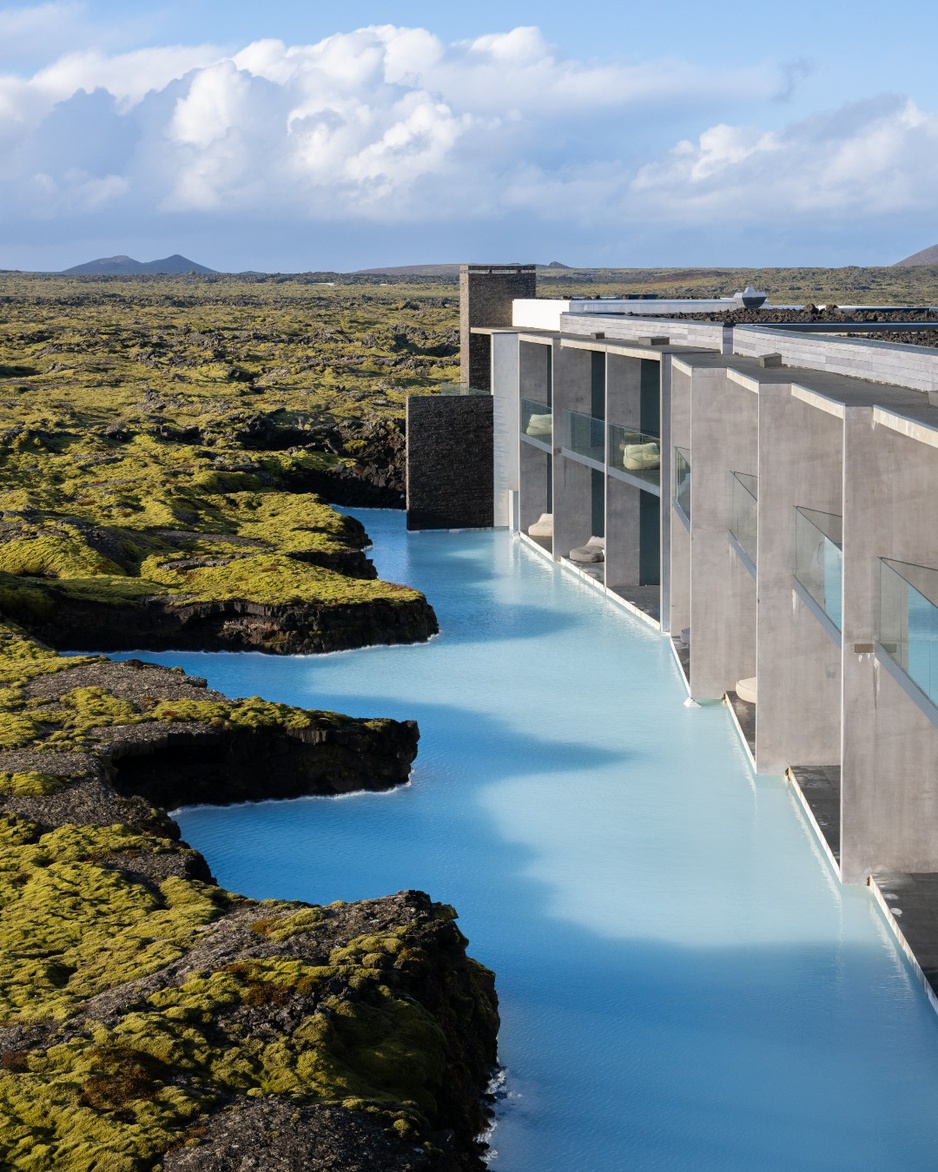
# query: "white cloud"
24, 31
391, 125
878, 157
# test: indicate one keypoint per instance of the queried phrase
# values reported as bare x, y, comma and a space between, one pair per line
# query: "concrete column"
889, 794
622, 533
624, 390
679, 534
667, 478
724, 439
506, 416
797, 661
572, 505
533, 497
572, 481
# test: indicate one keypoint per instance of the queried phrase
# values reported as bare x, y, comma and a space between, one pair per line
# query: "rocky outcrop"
370, 470
151, 1018
83, 624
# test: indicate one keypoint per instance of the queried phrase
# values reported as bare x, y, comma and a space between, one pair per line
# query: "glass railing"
744, 512
682, 480
908, 621
536, 420
585, 435
819, 559
635, 452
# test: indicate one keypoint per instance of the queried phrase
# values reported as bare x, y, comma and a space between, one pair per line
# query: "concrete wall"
623, 390
534, 370
449, 462
724, 438
890, 745
881, 362
797, 661
572, 505
534, 496
486, 293
623, 503
505, 353
679, 534
572, 480
538, 313
703, 335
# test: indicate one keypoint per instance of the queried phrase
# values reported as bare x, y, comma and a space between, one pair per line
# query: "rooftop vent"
750, 298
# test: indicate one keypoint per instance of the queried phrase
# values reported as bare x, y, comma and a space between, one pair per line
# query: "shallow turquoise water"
683, 984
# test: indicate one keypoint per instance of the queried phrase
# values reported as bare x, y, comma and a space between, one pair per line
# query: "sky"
290, 137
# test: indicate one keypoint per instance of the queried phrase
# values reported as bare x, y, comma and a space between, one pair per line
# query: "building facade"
763, 496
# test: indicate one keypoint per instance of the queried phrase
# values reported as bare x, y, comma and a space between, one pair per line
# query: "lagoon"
684, 985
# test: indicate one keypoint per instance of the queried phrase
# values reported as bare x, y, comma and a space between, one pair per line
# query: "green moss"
71, 927
124, 475
123, 1093
55, 555
280, 928
31, 784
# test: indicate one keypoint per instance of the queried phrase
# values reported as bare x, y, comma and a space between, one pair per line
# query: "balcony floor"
910, 901
820, 790
647, 599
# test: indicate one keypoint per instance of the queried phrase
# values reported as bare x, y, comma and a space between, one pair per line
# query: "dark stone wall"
485, 296
450, 475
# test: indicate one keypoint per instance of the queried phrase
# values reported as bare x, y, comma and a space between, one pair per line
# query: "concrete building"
762, 495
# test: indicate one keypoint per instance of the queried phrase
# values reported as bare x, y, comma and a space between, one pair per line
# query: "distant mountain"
126, 264
430, 270
928, 256
411, 271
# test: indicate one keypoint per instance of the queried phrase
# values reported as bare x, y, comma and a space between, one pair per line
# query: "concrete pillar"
797, 661
572, 481
506, 418
679, 532
724, 439
889, 780
534, 494
623, 503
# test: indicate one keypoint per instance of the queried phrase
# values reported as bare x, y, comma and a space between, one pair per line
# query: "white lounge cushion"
593, 551
638, 457
543, 526
539, 425
746, 689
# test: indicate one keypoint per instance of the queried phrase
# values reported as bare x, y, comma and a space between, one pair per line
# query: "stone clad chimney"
485, 296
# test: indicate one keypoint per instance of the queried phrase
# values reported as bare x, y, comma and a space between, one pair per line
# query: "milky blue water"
683, 984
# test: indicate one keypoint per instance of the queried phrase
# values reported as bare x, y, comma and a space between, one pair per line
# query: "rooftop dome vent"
750, 298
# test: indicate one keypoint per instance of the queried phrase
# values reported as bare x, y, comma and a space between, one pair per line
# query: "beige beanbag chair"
539, 425
746, 690
638, 457
593, 551
543, 526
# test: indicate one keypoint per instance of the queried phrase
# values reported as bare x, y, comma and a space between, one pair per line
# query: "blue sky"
289, 137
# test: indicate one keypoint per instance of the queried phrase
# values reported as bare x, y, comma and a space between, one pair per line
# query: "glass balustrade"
908, 621
744, 512
585, 435
536, 420
682, 480
635, 452
819, 559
